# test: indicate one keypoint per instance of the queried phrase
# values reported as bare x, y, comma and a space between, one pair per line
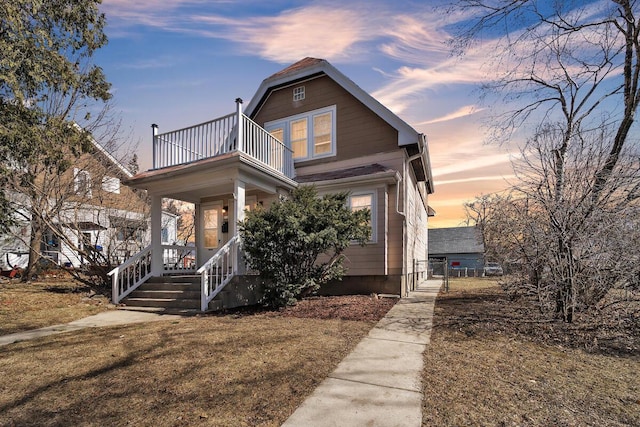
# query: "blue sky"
181, 62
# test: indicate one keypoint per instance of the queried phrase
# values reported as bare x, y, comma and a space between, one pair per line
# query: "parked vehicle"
493, 269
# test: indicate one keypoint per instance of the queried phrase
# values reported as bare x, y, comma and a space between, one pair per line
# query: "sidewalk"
106, 318
379, 382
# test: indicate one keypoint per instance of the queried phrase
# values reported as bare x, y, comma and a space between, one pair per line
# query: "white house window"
322, 133
111, 184
128, 229
129, 233
82, 182
298, 93
361, 201
298, 138
309, 135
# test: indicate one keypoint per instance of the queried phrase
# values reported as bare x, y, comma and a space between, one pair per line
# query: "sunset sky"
181, 62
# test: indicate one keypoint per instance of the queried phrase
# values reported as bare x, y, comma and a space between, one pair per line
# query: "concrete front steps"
181, 294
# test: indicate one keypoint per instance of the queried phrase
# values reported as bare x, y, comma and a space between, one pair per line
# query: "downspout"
405, 241
421, 148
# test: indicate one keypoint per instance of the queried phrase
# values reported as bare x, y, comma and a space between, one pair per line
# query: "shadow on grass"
216, 371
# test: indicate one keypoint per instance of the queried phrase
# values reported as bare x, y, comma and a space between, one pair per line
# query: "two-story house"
307, 124
90, 217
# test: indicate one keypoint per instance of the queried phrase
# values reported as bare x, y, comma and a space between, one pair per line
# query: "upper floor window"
111, 184
298, 93
309, 135
82, 182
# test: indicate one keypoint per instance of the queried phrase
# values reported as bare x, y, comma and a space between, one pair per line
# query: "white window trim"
111, 184
285, 125
298, 93
76, 181
374, 208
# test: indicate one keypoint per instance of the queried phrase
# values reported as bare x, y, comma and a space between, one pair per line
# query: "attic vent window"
298, 93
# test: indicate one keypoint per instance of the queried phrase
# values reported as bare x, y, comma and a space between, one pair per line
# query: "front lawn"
496, 361
246, 367
25, 306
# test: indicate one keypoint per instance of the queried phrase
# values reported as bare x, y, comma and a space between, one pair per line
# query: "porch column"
238, 215
157, 266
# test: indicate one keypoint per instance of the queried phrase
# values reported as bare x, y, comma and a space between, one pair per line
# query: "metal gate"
439, 267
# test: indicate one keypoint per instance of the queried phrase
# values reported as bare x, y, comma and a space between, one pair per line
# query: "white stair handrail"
132, 273
218, 271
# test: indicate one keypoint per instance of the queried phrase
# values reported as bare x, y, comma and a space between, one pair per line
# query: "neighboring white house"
110, 218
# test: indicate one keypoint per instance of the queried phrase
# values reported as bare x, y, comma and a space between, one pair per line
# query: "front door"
211, 231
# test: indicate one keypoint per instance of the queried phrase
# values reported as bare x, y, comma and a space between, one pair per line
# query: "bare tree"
79, 215
569, 244
49, 82
566, 70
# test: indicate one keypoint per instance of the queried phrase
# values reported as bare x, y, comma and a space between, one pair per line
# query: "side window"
361, 201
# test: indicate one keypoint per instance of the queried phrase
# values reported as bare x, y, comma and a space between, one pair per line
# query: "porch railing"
179, 259
218, 137
208, 139
131, 274
138, 269
218, 271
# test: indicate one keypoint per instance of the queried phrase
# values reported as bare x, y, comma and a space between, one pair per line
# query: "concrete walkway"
106, 318
379, 382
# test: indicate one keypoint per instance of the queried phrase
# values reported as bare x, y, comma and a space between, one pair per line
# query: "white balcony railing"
218, 137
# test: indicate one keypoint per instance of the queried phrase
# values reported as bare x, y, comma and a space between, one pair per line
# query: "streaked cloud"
328, 32
406, 43
476, 179
464, 111
150, 63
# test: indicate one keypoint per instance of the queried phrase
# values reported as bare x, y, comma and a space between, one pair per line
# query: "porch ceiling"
210, 177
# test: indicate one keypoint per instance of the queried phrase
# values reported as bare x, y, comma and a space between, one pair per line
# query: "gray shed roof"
455, 240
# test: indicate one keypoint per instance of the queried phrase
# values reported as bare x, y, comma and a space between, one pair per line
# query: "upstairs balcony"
228, 134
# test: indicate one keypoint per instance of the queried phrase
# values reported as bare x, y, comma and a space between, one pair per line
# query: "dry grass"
493, 362
457, 284
25, 306
251, 370
244, 368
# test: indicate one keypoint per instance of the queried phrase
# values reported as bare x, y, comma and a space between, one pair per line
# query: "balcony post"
240, 144
154, 132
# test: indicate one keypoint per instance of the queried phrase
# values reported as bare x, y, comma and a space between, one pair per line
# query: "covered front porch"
224, 167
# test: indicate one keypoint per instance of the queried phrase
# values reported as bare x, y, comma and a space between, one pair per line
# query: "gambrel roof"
312, 67
309, 68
